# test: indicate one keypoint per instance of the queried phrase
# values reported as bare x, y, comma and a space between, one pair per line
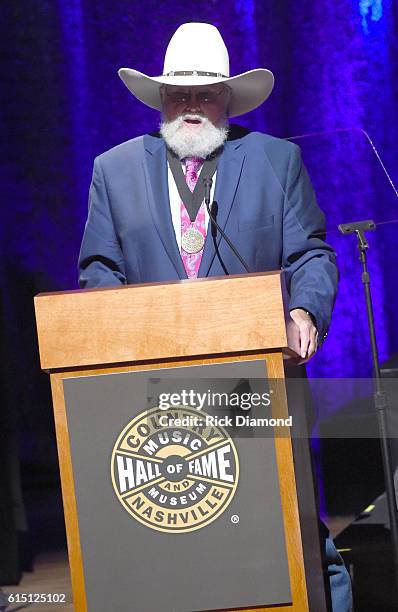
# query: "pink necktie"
192, 260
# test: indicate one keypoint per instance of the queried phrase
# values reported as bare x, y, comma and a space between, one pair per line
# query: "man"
144, 225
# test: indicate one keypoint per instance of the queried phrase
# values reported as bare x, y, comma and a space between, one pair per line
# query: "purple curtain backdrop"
336, 67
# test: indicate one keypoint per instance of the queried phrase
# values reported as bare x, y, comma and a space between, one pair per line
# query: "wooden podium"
106, 351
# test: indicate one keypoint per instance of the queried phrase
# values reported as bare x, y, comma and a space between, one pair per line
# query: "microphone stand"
380, 398
207, 184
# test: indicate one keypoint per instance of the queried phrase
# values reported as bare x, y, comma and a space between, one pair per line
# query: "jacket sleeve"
101, 261
308, 261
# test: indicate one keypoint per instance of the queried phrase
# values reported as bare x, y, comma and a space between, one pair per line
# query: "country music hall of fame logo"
174, 478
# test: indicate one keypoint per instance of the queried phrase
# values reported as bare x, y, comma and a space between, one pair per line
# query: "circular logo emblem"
173, 470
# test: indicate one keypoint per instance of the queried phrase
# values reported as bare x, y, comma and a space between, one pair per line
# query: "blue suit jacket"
266, 206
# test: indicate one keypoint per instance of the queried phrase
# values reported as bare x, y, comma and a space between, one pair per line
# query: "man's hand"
302, 334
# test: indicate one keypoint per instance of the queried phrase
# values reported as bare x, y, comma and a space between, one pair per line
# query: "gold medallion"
192, 241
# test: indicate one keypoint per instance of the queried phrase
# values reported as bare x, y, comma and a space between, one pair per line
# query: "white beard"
193, 142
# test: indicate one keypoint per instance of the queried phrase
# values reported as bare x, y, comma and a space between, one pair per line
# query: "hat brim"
249, 89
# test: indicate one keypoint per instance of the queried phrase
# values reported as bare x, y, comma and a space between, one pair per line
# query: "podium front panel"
148, 545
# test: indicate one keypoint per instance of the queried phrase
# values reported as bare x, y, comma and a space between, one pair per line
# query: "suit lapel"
155, 165
228, 175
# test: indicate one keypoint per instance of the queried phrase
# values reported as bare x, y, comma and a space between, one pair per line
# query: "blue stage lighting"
372, 9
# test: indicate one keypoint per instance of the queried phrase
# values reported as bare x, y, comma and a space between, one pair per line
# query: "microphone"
212, 216
207, 182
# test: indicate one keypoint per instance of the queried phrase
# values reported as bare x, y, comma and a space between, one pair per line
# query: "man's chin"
192, 137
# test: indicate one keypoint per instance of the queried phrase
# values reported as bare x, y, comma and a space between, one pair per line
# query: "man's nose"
193, 104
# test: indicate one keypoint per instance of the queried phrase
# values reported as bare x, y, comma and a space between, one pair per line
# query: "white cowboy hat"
197, 55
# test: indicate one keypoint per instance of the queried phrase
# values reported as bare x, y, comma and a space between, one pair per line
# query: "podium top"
157, 321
